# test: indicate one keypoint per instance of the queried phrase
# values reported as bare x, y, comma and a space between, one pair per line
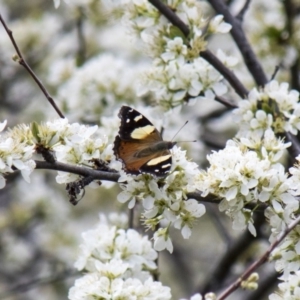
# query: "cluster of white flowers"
15, 154
74, 144
165, 200
118, 262
106, 284
178, 74
272, 107
241, 176
101, 82
248, 173
289, 289
287, 254
106, 243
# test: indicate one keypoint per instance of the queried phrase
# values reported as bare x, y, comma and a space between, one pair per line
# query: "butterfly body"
140, 146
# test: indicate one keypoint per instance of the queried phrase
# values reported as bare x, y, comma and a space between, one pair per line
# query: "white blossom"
165, 201
162, 240
254, 115
95, 286
289, 288
16, 151
240, 176
217, 25
103, 89
177, 75
107, 243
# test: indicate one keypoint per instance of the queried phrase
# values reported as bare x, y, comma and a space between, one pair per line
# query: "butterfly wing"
136, 126
157, 163
139, 145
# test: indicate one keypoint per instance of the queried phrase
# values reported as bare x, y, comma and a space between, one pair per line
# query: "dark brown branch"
81, 52
114, 176
290, 9
235, 285
23, 63
275, 72
295, 84
100, 175
83, 171
227, 73
225, 102
294, 149
240, 39
207, 55
171, 16
223, 267
213, 199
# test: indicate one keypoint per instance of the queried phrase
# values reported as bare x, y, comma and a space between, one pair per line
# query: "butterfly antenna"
194, 141
179, 129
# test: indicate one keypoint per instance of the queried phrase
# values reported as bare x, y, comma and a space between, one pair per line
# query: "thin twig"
240, 15
275, 72
131, 218
235, 285
241, 41
207, 55
294, 149
81, 53
34, 283
225, 102
23, 63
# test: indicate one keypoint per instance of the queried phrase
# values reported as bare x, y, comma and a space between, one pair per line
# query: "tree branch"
227, 73
240, 39
207, 55
101, 175
294, 149
225, 102
171, 16
235, 285
23, 63
240, 15
223, 267
83, 171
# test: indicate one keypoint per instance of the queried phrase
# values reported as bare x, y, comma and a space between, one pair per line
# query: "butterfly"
139, 145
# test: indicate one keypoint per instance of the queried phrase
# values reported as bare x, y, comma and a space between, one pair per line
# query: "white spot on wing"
158, 160
142, 132
137, 118
166, 166
128, 120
